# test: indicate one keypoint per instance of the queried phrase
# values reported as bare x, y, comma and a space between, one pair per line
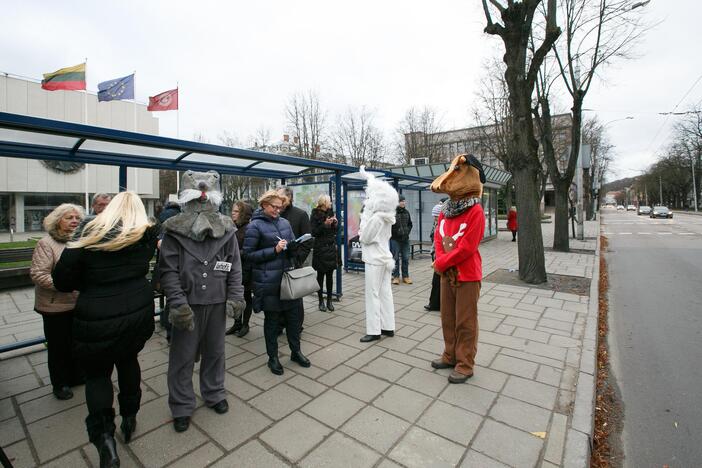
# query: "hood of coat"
380, 195
463, 179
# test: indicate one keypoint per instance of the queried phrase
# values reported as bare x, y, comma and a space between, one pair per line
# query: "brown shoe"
441, 364
457, 377
396, 281
407, 280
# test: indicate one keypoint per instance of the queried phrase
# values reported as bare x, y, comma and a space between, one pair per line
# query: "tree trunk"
587, 201
561, 237
532, 267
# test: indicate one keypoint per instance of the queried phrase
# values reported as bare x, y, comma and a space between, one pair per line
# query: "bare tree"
596, 33
601, 154
261, 138
420, 136
306, 121
688, 135
520, 75
356, 137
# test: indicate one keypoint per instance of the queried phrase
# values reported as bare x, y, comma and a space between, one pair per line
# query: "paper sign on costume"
223, 266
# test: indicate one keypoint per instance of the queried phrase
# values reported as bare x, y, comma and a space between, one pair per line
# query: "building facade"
30, 189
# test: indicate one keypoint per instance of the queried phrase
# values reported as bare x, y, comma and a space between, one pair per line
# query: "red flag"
167, 100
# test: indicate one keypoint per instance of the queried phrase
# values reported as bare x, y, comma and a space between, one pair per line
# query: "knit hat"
436, 211
402, 198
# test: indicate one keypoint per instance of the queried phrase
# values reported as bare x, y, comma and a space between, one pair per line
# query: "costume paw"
182, 317
235, 309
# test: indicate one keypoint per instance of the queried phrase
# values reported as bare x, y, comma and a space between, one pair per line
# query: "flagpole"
136, 169
85, 121
178, 136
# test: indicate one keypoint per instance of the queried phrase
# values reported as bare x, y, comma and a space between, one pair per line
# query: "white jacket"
374, 235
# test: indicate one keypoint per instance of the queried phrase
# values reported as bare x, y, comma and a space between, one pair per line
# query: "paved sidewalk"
380, 404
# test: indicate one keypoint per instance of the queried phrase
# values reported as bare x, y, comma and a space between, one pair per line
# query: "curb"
578, 447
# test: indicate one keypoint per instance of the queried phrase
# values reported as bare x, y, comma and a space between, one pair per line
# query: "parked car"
661, 212
631, 208
644, 210
620, 207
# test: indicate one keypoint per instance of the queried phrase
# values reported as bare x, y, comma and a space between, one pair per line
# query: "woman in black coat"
114, 315
324, 258
270, 248
241, 215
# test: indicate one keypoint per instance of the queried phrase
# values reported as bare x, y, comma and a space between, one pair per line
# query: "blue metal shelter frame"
44, 139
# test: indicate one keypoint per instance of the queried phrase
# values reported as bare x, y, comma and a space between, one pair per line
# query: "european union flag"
117, 89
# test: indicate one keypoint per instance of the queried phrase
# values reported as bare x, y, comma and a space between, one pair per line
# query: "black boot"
322, 308
275, 366
235, 328
101, 431
330, 306
107, 449
128, 425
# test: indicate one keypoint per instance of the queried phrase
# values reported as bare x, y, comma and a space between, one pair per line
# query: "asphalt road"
655, 337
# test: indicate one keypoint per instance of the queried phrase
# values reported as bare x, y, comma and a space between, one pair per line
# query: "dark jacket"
114, 314
171, 209
403, 225
267, 266
300, 224
245, 263
190, 272
324, 256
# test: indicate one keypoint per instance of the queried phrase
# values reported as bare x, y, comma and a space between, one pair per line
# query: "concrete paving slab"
339, 450
376, 428
422, 448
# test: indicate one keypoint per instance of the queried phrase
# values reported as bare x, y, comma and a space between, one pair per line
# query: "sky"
237, 63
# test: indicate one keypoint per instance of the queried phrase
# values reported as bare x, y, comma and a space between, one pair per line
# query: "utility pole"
579, 173
660, 190
694, 184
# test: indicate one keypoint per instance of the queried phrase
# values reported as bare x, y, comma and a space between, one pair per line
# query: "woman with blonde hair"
114, 315
324, 257
56, 308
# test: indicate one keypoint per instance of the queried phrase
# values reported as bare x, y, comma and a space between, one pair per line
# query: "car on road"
644, 210
661, 212
631, 208
620, 207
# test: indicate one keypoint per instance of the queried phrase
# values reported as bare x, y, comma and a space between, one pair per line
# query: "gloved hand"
235, 309
181, 317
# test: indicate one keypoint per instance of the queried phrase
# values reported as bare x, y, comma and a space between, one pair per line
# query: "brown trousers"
459, 323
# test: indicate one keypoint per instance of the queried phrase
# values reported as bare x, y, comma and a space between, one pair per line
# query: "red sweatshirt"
467, 229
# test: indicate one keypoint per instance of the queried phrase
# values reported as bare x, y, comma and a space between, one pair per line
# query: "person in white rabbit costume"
377, 218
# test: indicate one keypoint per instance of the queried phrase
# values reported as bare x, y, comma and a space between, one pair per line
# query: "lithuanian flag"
70, 78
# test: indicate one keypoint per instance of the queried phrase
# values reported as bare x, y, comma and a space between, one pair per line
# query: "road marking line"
686, 233
645, 233
625, 233
664, 233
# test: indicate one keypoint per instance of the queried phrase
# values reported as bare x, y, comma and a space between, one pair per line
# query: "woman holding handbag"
269, 247
325, 257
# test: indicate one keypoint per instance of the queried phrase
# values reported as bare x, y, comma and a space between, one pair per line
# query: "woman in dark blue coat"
269, 246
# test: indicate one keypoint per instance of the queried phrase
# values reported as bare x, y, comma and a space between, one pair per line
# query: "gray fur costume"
200, 270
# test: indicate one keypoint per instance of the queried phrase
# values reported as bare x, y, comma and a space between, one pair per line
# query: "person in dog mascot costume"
200, 272
377, 218
460, 229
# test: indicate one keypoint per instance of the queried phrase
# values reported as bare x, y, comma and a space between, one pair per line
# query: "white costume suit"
376, 222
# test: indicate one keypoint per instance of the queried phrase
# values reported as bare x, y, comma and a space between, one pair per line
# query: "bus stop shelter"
44, 139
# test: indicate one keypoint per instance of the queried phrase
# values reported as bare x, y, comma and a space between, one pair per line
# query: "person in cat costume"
460, 229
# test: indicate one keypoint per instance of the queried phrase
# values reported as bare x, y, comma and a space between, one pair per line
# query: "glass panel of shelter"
136, 150
36, 138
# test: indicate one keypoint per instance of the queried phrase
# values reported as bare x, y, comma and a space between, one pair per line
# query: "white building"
30, 189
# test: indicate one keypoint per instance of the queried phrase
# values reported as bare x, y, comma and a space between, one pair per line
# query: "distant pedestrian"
399, 242
56, 308
241, 215
325, 258
512, 222
435, 294
100, 202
